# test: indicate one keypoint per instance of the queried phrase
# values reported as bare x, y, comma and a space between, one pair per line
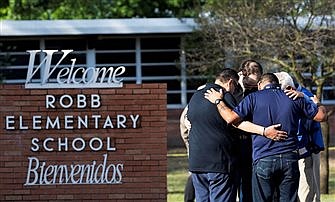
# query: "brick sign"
83, 144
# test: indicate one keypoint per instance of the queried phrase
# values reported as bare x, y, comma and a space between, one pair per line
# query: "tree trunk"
324, 160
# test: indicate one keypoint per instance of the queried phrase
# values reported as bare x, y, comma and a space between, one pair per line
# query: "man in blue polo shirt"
275, 162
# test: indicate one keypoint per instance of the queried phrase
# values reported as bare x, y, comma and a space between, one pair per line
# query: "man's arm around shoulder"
321, 115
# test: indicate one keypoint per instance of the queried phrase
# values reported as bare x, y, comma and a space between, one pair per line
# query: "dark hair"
227, 74
251, 67
270, 77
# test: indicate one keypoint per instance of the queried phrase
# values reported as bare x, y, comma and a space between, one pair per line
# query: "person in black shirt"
213, 144
212, 147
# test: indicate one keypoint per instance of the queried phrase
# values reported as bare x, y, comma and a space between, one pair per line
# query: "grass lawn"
178, 173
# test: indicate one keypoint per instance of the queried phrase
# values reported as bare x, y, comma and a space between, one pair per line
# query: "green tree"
297, 36
95, 9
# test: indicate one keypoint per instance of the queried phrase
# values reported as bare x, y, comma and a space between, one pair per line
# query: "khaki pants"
309, 183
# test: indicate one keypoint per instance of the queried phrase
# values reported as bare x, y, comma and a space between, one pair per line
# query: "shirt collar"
213, 85
272, 86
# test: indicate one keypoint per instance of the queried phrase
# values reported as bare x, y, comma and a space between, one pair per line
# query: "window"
148, 59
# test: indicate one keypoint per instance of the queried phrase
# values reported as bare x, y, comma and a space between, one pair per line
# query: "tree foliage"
297, 36
95, 9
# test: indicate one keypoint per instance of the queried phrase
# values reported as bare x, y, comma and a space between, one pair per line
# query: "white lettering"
71, 70
9, 120
109, 145
101, 166
54, 124
69, 77
107, 172
118, 71
70, 101
62, 144
68, 120
75, 170
119, 168
66, 101
121, 120
77, 144
48, 172
36, 122
81, 101
91, 143
49, 101
59, 170
82, 121
74, 144
134, 120
95, 101
22, 127
42, 170
32, 170
45, 144
74, 75
45, 71
41, 173
96, 120
34, 142
108, 122
60, 74
87, 74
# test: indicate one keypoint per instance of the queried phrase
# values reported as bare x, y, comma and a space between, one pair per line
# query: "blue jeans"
215, 187
277, 172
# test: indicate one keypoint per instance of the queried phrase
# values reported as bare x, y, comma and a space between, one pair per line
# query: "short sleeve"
310, 109
229, 100
244, 109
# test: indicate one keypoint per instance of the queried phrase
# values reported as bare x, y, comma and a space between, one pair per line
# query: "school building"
149, 48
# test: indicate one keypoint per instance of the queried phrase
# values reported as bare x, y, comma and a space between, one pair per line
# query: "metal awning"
96, 26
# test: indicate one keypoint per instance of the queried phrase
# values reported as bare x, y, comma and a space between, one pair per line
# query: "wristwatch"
217, 101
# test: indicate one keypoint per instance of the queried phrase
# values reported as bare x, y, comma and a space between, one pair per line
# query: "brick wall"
140, 155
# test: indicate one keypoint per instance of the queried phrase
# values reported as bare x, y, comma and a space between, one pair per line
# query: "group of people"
244, 135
